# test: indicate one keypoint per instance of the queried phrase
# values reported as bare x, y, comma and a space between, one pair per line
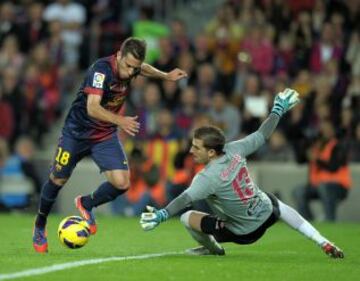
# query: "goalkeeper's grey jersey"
226, 185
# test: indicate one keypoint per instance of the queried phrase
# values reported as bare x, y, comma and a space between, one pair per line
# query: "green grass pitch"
282, 254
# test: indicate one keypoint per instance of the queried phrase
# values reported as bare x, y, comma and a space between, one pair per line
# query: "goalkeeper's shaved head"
212, 137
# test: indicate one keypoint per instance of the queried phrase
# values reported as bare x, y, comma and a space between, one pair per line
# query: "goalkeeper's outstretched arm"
178, 204
283, 102
269, 125
153, 217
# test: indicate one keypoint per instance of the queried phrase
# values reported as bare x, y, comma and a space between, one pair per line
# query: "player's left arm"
283, 102
150, 71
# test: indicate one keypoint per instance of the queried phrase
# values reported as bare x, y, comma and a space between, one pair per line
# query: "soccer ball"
74, 232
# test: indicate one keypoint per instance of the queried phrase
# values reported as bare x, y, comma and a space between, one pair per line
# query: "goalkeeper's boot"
203, 251
87, 215
40, 240
332, 251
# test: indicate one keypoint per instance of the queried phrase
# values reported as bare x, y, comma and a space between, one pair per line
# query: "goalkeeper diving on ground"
242, 211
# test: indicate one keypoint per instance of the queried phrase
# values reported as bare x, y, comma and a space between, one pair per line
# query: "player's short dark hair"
212, 137
134, 46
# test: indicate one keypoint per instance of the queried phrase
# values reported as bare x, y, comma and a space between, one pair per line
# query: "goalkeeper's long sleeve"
269, 125
179, 203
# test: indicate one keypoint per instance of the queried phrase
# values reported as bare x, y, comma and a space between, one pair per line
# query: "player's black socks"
106, 192
48, 196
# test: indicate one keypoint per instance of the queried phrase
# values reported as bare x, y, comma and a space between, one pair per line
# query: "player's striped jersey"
102, 79
230, 191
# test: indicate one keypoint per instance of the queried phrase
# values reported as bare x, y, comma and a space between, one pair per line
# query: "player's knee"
58, 181
185, 218
122, 183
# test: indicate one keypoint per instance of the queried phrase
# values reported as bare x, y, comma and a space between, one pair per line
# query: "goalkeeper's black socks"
106, 192
48, 196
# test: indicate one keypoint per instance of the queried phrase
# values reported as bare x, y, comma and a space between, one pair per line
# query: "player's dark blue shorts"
108, 155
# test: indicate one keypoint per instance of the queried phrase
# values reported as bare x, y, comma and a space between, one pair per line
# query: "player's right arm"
150, 71
283, 102
97, 80
95, 110
200, 188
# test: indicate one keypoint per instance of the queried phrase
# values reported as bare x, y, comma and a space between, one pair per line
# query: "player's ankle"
40, 222
86, 202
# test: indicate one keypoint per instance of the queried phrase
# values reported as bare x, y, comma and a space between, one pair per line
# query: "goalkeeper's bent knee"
185, 217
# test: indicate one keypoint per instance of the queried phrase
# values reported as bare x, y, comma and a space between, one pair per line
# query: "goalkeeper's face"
128, 66
200, 153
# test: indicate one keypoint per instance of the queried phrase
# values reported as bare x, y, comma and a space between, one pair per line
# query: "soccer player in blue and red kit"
91, 128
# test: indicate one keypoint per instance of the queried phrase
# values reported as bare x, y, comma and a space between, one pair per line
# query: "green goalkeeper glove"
284, 101
151, 219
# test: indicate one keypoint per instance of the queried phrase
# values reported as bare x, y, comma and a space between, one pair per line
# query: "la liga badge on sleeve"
98, 80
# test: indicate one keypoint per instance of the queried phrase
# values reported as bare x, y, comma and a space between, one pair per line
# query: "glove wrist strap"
163, 215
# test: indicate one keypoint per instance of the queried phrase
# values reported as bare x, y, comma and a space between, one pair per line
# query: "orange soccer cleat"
87, 215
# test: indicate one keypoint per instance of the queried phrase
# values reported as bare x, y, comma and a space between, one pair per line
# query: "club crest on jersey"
58, 167
98, 80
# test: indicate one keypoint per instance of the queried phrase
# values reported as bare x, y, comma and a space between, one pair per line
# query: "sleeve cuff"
93, 91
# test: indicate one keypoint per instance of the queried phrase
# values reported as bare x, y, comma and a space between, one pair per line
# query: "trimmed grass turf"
282, 254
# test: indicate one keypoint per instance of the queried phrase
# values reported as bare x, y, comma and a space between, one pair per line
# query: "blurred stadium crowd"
246, 53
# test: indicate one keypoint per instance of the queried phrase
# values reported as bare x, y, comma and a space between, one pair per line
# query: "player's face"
199, 152
128, 66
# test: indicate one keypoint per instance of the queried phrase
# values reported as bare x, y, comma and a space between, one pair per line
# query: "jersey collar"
114, 66
221, 159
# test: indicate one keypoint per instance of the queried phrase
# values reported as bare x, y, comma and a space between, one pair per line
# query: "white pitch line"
63, 266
